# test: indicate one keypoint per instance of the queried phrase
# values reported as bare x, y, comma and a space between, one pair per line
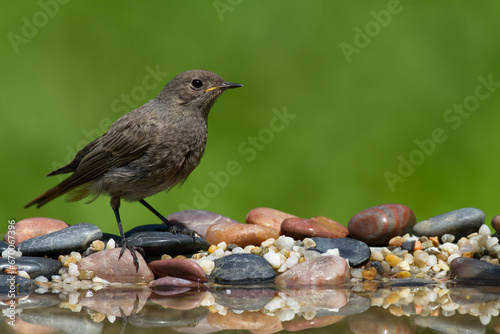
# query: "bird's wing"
73, 165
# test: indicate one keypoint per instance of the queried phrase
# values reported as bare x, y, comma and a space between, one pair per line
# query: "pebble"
159, 243
459, 223
495, 223
299, 228
74, 238
377, 225
34, 266
241, 269
147, 228
319, 271
23, 287
106, 265
181, 268
33, 227
169, 282
267, 217
355, 251
243, 299
240, 234
473, 270
198, 220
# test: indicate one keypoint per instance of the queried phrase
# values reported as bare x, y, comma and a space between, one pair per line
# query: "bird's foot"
133, 250
177, 230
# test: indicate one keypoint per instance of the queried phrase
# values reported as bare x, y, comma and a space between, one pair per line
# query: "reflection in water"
362, 308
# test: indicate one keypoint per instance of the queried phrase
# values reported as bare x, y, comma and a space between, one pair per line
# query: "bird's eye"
196, 83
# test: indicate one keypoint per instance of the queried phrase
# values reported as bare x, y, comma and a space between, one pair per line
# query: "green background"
354, 116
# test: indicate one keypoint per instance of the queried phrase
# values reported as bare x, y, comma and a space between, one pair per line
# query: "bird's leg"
115, 205
171, 227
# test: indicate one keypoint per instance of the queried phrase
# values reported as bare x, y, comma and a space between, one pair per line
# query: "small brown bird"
148, 150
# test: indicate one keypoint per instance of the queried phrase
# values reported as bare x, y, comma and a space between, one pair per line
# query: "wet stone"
355, 251
355, 305
267, 217
242, 299
299, 228
173, 282
34, 266
242, 269
159, 243
319, 271
240, 234
106, 265
74, 238
495, 223
181, 268
34, 227
22, 286
198, 220
3, 246
459, 223
379, 224
472, 270
408, 245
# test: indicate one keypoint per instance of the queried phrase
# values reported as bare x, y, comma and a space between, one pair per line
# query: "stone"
267, 217
379, 224
299, 228
106, 265
321, 271
242, 268
198, 220
495, 223
3, 246
177, 299
355, 251
170, 282
125, 301
408, 245
243, 299
74, 238
34, 266
147, 228
317, 297
240, 234
181, 268
472, 270
33, 227
159, 243
459, 223
246, 322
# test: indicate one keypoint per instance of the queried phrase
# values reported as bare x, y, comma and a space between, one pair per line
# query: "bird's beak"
225, 85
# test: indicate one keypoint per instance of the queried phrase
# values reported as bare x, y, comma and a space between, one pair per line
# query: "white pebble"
491, 242
111, 244
273, 259
76, 255
334, 251
238, 250
222, 245
274, 304
291, 261
308, 255
484, 230
12, 253
41, 279
403, 265
268, 242
23, 273
285, 315
73, 270
284, 242
207, 265
356, 273
447, 238
449, 247
73, 298
485, 319
452, 257
70, 279
377, 256
432, 260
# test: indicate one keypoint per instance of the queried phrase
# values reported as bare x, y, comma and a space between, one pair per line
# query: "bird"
148, 150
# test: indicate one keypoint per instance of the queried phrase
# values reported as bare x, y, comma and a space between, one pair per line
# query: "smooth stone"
181, 268
408, 245
198, 220
74, 238
22, 286
242, 269
240, 234
379, 224
319, 271
106, 265
33, 227
34, 266
159, 243
459, 223
175, 299
495, 223
242, 299
267, 217
299, 228
246, 322
147, 228
319, 298
475, 271
355, 251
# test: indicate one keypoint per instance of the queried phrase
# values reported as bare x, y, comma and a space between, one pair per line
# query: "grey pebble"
355, 251
459, 223
74, 238
242, 269
159, 243
34, 266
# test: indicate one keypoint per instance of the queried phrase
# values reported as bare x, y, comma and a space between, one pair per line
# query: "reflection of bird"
148, 150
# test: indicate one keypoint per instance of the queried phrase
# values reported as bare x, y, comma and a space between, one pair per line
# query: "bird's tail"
61, 189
